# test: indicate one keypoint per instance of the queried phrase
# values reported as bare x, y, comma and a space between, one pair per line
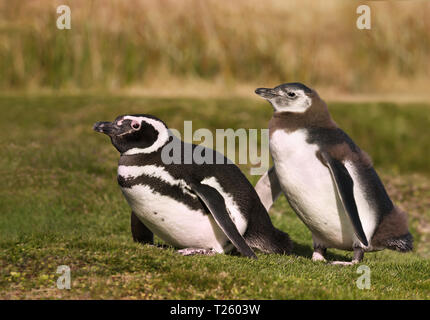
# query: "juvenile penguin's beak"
104, 127
266, 93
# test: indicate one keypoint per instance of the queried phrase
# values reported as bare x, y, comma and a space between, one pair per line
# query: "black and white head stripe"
158, 125
135, 134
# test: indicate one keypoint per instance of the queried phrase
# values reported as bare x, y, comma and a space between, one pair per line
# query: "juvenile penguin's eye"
135, 125
291, 94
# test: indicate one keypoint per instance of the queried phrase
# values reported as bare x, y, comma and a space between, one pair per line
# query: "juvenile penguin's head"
288, 97
133, 134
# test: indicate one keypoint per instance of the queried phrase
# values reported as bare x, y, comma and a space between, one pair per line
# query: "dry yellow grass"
135, 44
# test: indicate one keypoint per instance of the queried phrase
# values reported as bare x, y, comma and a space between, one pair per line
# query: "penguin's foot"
194, 251
318, 254
344, 263
358, 257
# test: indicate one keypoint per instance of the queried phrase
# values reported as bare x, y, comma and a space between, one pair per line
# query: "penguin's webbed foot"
358, 257
319, 253
316, 256
194, 251
344, 263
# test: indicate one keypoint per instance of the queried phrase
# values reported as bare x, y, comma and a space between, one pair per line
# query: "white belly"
173, 221
310, 189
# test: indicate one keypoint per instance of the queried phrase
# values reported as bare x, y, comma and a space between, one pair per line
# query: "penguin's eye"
291, 94
135, 125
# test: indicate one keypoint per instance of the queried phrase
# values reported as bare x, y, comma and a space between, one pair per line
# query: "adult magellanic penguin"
327, 179
197, 207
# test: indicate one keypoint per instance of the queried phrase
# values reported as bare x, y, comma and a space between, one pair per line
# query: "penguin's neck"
290, 121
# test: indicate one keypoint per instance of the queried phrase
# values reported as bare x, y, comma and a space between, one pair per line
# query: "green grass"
59, 204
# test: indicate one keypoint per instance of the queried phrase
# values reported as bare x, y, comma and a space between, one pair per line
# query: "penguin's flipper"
214, 201
344, 185
268, 188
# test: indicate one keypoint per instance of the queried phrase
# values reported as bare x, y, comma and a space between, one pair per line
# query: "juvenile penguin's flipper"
268, 188
139, 231
344, 185
214, 201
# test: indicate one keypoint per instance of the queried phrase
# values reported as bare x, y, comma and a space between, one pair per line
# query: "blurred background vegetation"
198, 60
165, 44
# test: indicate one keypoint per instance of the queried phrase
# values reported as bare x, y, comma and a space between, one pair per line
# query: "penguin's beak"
104, 127
266, 93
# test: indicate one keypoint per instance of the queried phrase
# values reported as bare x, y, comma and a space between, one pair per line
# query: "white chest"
172, 220
310, 189
303, 178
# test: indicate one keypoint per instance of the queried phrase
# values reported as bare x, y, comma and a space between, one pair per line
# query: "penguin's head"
288, 97
133, 134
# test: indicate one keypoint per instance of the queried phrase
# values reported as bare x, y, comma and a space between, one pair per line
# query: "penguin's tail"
403, 243
274, 242
393, 233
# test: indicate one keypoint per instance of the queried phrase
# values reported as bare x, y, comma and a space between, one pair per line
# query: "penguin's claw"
194, 251
318, 257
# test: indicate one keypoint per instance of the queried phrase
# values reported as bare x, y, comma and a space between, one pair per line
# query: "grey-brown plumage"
328, 180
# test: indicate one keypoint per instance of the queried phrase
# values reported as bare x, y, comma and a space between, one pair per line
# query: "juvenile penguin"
327, 179
201, 208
